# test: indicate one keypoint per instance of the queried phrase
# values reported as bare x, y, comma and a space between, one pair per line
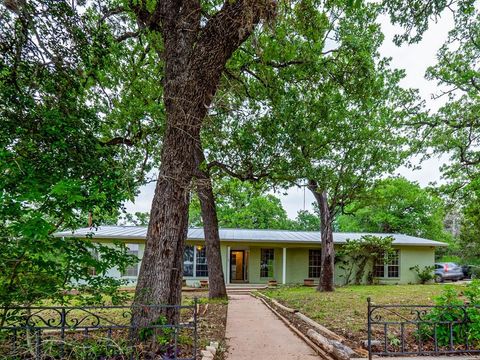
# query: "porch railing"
96, 332
422, 329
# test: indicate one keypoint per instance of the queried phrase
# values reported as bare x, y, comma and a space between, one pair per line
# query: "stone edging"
328, 341
210, 351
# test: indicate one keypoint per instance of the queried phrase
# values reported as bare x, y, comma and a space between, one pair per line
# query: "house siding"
297, 262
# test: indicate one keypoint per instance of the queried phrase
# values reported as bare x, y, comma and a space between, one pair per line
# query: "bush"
452, 311
425, 274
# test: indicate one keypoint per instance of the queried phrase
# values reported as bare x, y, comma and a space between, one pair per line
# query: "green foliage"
248, 205
468, 243
415, 15
424, 275
306, 221
34, 270
450, 312
243, 205
358, 257
163, 335
341, 131
56, 160
396, 205
138, 219
454, 129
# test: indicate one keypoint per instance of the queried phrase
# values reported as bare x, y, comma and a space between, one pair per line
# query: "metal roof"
246, 235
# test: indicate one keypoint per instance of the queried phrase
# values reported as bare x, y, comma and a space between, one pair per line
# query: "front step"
244, 290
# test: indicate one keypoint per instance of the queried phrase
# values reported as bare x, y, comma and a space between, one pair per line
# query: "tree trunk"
160, 277
195, 55
326, 282
216, 278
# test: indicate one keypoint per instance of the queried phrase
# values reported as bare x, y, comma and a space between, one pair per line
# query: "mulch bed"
212, 324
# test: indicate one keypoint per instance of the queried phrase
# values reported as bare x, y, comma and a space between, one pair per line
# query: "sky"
414, 59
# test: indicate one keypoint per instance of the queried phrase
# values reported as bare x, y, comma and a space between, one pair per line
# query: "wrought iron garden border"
417, 312
85, 320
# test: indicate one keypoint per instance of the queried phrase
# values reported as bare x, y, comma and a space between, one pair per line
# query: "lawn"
345, 310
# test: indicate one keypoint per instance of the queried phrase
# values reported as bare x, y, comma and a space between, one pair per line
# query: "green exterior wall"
297, 262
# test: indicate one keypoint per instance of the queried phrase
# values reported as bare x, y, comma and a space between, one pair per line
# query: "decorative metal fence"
96, 332
422, 329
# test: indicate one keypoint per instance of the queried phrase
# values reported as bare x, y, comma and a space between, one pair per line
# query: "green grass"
345, 310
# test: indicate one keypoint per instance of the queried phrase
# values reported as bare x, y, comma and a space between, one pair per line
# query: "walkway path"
254, 332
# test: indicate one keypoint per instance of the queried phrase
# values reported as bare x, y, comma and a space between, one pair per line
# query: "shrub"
424, 275
453, 312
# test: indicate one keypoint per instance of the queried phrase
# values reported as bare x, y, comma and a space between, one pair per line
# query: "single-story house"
256, 256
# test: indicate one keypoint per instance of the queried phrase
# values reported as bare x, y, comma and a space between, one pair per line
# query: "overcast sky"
415, 59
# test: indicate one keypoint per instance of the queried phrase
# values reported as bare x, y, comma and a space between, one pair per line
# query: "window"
388, 267
188, 260
91, 269
201, 262
314, 263
266, 263
132, 270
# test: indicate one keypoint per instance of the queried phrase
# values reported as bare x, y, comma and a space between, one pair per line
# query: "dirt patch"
212, 324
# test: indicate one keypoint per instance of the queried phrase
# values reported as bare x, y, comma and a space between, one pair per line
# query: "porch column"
284, 266
227, 272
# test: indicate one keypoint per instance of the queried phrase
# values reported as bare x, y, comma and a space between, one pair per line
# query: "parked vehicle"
448, 271
470, 271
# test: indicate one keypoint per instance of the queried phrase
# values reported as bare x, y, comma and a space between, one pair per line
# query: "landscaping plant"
424, 275
358, 257
456, 317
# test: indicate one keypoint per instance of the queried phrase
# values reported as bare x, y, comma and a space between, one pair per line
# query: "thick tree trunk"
326, 282
160, 277
195, 55
216, 278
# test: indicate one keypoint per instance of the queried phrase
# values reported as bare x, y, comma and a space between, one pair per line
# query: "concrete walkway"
254, 332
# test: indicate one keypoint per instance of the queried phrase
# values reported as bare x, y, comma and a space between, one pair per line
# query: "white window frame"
386, 264
195, 254
132, 248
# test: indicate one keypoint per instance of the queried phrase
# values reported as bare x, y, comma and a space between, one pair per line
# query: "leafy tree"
336, 131
57, 164
188, 46
138, 218
468, 243
244, 205
306, 221
454, 129
396, 205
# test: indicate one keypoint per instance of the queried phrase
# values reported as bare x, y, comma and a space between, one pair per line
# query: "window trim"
314, 267
272, 265
386, 264
132, 249
195, 261
194, 264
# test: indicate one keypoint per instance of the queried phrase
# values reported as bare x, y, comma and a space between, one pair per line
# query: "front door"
238, 268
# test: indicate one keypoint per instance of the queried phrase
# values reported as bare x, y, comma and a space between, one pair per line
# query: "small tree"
358, 257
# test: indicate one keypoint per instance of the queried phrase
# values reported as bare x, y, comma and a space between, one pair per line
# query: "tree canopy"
56, 162
396, 205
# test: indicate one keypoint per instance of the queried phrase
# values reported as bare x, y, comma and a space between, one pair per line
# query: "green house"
256, 256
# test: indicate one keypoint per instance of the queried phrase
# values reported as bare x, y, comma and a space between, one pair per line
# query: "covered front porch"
260, 263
